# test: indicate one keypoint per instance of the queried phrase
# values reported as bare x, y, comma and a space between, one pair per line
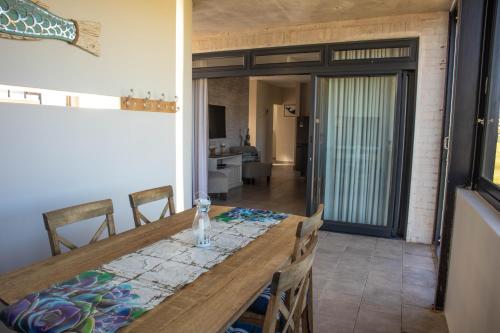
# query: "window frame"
326, 64
485, 187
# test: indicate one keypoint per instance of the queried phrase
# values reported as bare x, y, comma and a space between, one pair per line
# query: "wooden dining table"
209, 304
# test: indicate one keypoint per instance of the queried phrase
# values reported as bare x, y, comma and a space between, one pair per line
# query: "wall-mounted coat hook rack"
131, 103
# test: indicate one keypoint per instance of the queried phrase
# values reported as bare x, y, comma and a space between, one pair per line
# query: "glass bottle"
201, 223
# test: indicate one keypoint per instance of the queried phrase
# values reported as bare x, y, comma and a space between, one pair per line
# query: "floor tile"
338, 309
389, 279
348, 292
326, 324
416, 261
346, 287
360, 250
420, 320
386, 299
418, 295
371, 319
419, 276
418, 249
385, 264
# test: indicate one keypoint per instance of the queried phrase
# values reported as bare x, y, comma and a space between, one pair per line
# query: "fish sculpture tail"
87, 36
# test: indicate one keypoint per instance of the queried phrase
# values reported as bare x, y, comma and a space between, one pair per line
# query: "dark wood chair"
144, 197
65, 216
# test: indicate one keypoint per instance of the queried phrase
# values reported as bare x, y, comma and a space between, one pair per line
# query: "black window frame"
485, 187
411, 44
324, 65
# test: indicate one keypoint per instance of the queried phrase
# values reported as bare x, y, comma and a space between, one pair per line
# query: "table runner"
117, 293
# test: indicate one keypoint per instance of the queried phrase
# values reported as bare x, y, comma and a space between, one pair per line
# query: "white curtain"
359, 148
200, 151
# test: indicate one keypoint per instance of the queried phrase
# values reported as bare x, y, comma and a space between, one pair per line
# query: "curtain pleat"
200, 150
359, 148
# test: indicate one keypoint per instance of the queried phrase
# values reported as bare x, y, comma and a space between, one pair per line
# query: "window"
286, 58
24, 95
215, 62
488, 180
378, 53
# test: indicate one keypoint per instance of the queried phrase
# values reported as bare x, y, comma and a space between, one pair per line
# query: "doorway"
265, 124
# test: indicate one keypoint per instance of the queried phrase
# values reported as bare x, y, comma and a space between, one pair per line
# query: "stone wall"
233, 94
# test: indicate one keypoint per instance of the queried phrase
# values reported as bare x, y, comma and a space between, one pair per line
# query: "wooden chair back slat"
65, 216
306, 230
294, 281
69, 215
144, 197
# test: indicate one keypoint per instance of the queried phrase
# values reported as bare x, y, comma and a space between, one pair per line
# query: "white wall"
285, 135
138, 51
473, 293
184, 91
52, 157
432, 31
263, 96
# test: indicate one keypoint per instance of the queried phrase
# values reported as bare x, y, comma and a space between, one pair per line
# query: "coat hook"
129, 97
147, 98
162, 99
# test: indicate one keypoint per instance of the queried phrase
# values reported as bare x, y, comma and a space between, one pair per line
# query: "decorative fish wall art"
31, 20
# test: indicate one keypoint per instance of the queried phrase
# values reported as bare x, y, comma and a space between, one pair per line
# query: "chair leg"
305, 322
309, 307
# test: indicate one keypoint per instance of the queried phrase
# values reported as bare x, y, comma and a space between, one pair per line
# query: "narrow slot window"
215, 62
363, 54
287, 58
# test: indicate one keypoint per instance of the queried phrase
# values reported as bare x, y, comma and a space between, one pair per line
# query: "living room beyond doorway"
258, 141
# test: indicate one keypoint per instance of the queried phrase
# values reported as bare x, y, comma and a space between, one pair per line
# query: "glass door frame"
401, 164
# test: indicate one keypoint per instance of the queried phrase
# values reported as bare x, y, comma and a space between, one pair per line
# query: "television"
216, 122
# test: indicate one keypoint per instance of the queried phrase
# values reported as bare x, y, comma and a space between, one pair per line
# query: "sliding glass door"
356, 146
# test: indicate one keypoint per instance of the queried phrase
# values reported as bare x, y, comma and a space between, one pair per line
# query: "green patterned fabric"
93, 301
24, 18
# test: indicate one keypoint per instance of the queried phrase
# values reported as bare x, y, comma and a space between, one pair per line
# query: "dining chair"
144, 197
289, 316
65, 216
307, 232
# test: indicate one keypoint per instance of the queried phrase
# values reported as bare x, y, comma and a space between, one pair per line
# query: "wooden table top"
209, 304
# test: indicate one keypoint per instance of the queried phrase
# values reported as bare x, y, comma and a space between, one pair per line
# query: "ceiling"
283, 81
216, 16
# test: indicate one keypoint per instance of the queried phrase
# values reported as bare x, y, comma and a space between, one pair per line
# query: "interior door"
356, 152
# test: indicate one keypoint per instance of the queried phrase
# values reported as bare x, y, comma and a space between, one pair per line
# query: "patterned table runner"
117, 293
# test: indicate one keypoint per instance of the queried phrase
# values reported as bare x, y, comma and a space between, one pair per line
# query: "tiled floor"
361, 284
286, 193
365, 284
